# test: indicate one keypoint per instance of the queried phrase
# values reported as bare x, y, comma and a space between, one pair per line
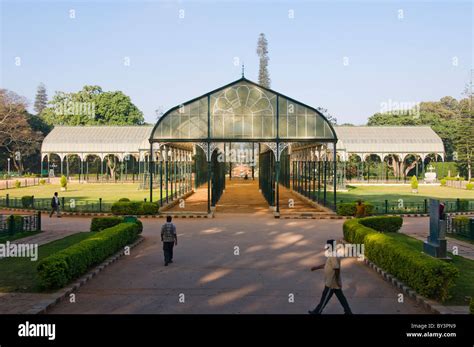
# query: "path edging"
45, 305
429, 304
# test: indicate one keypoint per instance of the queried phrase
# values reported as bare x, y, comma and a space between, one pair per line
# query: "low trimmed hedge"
428, 276
27, 201
124, 200
350, 209
134, 208
385, 224
59, 269
101, 223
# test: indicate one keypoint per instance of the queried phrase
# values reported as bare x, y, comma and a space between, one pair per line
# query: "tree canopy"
92, 106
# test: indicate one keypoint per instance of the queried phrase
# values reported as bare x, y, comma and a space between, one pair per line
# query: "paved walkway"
242, 196
419, 228
234, 264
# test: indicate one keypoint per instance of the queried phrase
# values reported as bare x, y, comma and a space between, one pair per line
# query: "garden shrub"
469, 186
101, 223
58, 269
463, 205
63, 182
15, 223
428, 276
387, 224
27, 201
443, 182
350, 209
42, 181
134, 208
17, 184
414, 183
471, 306
124, 200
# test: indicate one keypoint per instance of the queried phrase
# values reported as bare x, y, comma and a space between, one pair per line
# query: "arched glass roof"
242, 110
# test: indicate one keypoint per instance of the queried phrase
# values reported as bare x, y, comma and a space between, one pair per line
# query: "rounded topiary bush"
443, 182
469, 186
63, 182
17, 184
124, 200
414, 184
42, 181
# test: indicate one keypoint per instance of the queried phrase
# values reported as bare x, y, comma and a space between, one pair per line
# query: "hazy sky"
349, 57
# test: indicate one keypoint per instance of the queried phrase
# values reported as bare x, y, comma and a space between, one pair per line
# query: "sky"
350, 57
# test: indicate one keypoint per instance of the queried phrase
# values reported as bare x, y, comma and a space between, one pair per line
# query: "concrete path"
54, 228
419, 228
234, 263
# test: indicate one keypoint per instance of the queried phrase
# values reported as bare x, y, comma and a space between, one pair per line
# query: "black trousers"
168, 250
327, 295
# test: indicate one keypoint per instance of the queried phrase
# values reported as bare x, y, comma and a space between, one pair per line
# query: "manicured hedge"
386, 224
101, 223
124, 200
428, 276
350, 209
60, 268
134, 208
27, 201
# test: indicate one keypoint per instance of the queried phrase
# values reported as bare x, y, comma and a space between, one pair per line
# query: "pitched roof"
388, 139
97, 139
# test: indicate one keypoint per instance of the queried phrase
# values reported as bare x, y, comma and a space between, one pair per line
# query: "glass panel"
300, 122
186, 122
247, 111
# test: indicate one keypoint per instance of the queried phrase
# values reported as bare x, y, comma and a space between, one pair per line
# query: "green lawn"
464, 285
19, 274
90, 191
393, 193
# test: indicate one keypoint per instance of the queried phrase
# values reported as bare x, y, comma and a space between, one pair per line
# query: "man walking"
55, 203
332, 280
169, 239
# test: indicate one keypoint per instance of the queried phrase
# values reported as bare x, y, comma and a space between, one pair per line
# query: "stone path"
269, 267
419, 228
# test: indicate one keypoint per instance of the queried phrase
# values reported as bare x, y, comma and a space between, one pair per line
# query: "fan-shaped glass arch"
243, 110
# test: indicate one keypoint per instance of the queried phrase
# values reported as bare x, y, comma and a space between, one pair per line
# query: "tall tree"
41, 99
18, 140
262, 52
464, 142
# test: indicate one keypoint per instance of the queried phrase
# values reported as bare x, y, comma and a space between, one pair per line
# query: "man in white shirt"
332, 281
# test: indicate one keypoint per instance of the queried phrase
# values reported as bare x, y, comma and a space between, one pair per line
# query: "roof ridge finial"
243, 70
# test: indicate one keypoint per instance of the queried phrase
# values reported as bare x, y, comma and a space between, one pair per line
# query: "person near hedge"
169, 239
55, 203
332, 281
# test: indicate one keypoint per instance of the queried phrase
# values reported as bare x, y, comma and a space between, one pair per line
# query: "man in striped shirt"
169, 239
